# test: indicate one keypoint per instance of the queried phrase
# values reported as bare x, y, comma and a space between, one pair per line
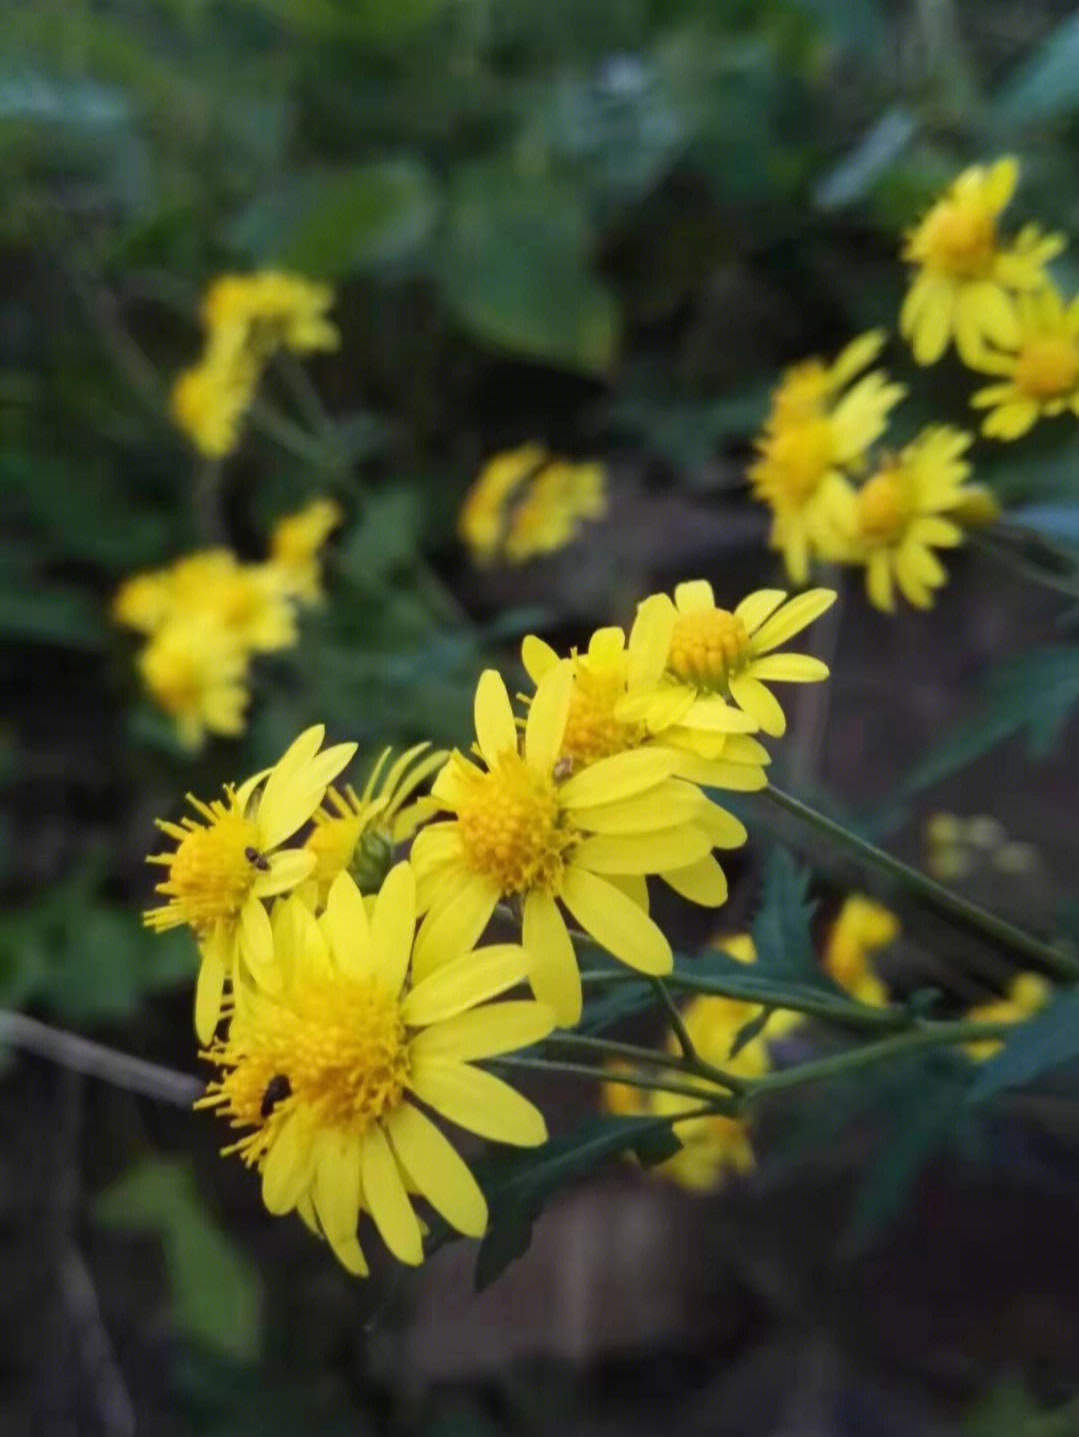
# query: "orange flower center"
707, 646
1048, 366
881, 507
512, 827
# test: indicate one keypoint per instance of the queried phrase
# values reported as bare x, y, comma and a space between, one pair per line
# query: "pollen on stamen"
512, 828
209, 872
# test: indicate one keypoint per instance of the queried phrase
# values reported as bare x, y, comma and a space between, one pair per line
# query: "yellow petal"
454, 927
792, 618
759, 703
553, 970
665, 806
722, 828
485, 1032
286, 1172
288, 869
788, 668
436, 1169
256, 945
713, 714
336, 1188
496, 731
478, 1102
461, 984
755, 608
650, 640
210, 985
616, 922
393, 926
545, 726
289, 801
718, 773
385, 1197
619, 776
642, 852
878, 581
347, 928
694, 596
537, 657
703, 882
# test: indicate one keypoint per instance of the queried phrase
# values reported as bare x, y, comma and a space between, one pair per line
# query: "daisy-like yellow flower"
697, 656
912, 504
247, 602
333, 1075
1039, 374
1027, 994
860, 929
358, 833
294, 548
272, 310
822, 423
197, 674
232, 858
209, 400
524, 830
966, 278
526, 502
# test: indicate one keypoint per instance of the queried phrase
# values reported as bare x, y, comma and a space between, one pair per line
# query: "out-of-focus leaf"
215, 1291
519, 1185
1056, 521
514, 267
1046, 87
858, 172
687, 432
1035, 691
1046, 1041
1009, 1411
337, 222
857, 23
383, 540
362, 22
57, 616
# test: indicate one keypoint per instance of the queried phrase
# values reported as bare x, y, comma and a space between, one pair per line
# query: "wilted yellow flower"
1027, 994
357, 833
821, 424
273, 310
526, 502
1040, 371
966, 275
861, 927
695, 656
525, 832
327, 1072
911, 505
224, 865
294, 548
197, 674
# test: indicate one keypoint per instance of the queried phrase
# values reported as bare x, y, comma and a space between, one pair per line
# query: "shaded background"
604, 227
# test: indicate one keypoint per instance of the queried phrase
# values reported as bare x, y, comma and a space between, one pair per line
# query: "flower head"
209, 400
526, 830
966, 275
294, 547
703, 658
1027, 994
1039, 373
526, 502
197, 674
862, 927
913, 503
231, 858
327, 1073
821, 424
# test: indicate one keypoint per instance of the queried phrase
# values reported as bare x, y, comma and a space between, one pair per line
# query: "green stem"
998, 549
678, 1027
694, 1065
930, 1035
209, 518
289, 435
712, 1101
1061, 965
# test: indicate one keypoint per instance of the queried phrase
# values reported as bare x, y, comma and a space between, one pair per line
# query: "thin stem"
712, 1101
80, 1055
930, 1035
694, 1065
207, 499
678, 1027
1010, 558
1061, 965
289, 435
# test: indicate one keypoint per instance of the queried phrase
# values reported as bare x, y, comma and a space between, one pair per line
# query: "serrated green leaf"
1046, 87
1046, 1041
780, 930
216, 1293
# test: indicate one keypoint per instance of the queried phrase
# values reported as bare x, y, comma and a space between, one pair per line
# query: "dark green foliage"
1048, 1040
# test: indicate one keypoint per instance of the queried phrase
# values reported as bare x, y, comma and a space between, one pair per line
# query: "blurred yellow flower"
1040, 371
966, 277
196, 673
209, 400
526, 502
695, 656
333, 1075
821, 424
523, 831
912, 504
225, 864
861, 927
295, 542
1027, 994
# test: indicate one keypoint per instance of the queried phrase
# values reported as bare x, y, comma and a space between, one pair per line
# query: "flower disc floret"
512, 826
707, 646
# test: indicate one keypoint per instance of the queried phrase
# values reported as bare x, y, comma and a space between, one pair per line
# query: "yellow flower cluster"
247, 318
526, 502
1027, 994
207, 614
350, 987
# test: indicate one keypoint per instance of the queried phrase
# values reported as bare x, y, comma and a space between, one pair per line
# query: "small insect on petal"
277, 1090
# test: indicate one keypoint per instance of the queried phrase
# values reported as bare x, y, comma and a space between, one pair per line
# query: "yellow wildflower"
1026, 995
272, 310
524, 831
966, 275
821, 424
225, 864
525, 502
294, 545
861, 927
695, 656
209, 400
1040, 371
197, 674
911, 505
247, 600
357, 833
329, 1073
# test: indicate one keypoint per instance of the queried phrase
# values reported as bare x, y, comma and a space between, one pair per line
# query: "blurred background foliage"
601, 226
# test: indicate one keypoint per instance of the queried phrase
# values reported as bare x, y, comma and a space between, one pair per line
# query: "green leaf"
514, 267
1035, 691
781, 928
1046, 87
333, 223
60, 617
1046, 1041
520, 1184
216, 1293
